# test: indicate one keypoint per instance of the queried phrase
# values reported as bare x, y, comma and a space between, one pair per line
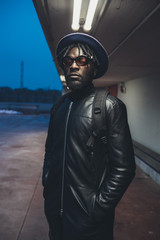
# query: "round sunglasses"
80, 61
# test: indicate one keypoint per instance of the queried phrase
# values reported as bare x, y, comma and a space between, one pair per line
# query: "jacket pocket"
92, 205
93, 167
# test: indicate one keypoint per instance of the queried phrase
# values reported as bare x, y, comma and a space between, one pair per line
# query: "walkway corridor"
22, 139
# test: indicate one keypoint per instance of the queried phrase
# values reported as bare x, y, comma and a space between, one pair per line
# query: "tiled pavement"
22, 141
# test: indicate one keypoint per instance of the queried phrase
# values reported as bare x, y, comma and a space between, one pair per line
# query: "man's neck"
77, 94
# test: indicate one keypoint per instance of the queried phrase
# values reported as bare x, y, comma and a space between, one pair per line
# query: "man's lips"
74, 75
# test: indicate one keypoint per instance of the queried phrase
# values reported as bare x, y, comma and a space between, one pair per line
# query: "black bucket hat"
94, 44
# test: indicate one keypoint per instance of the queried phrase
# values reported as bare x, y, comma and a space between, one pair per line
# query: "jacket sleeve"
48, 149
48, 145
121, 159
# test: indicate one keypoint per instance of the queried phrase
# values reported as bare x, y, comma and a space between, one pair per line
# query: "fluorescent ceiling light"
76, 14
90, 14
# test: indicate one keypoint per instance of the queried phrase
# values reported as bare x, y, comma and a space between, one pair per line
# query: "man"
82, 188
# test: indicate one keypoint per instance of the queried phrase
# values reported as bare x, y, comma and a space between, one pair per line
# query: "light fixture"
90, 14
76, 14
62, 77
122, 87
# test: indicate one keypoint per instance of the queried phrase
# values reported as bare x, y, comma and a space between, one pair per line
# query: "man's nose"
74, 65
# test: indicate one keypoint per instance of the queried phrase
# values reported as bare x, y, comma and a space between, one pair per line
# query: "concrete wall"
142, 99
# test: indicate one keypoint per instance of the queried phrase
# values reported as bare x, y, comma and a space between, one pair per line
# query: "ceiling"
128, 29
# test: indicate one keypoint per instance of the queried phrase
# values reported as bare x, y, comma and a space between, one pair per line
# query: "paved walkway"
22, 141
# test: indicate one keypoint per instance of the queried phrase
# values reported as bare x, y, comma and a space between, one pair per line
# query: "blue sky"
22, 39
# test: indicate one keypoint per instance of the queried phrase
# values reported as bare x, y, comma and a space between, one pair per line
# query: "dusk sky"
22, 39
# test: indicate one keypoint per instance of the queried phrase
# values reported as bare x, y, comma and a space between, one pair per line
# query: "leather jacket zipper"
64, 159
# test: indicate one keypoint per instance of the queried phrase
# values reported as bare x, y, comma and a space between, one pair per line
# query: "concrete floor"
22, 139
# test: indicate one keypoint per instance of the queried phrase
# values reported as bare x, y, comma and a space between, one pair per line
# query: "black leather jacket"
81, 189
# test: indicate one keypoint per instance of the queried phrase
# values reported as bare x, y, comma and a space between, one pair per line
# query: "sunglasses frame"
76, 60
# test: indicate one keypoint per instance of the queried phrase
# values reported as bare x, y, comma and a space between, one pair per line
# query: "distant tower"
22, 69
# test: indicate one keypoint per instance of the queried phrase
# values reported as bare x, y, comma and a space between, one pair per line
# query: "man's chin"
75, 85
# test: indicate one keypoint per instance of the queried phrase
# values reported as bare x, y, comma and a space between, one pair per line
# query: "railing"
24, 108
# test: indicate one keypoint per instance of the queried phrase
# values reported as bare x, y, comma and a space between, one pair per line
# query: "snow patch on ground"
4, 111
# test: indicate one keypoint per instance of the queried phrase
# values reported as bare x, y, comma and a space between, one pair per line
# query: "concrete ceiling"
128, 29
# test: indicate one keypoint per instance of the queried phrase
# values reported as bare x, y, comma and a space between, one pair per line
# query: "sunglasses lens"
82, 60
67, 61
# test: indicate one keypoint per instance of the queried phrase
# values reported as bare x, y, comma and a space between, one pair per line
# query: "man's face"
78, 77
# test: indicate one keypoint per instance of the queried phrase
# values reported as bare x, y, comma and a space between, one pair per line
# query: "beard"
77, 84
